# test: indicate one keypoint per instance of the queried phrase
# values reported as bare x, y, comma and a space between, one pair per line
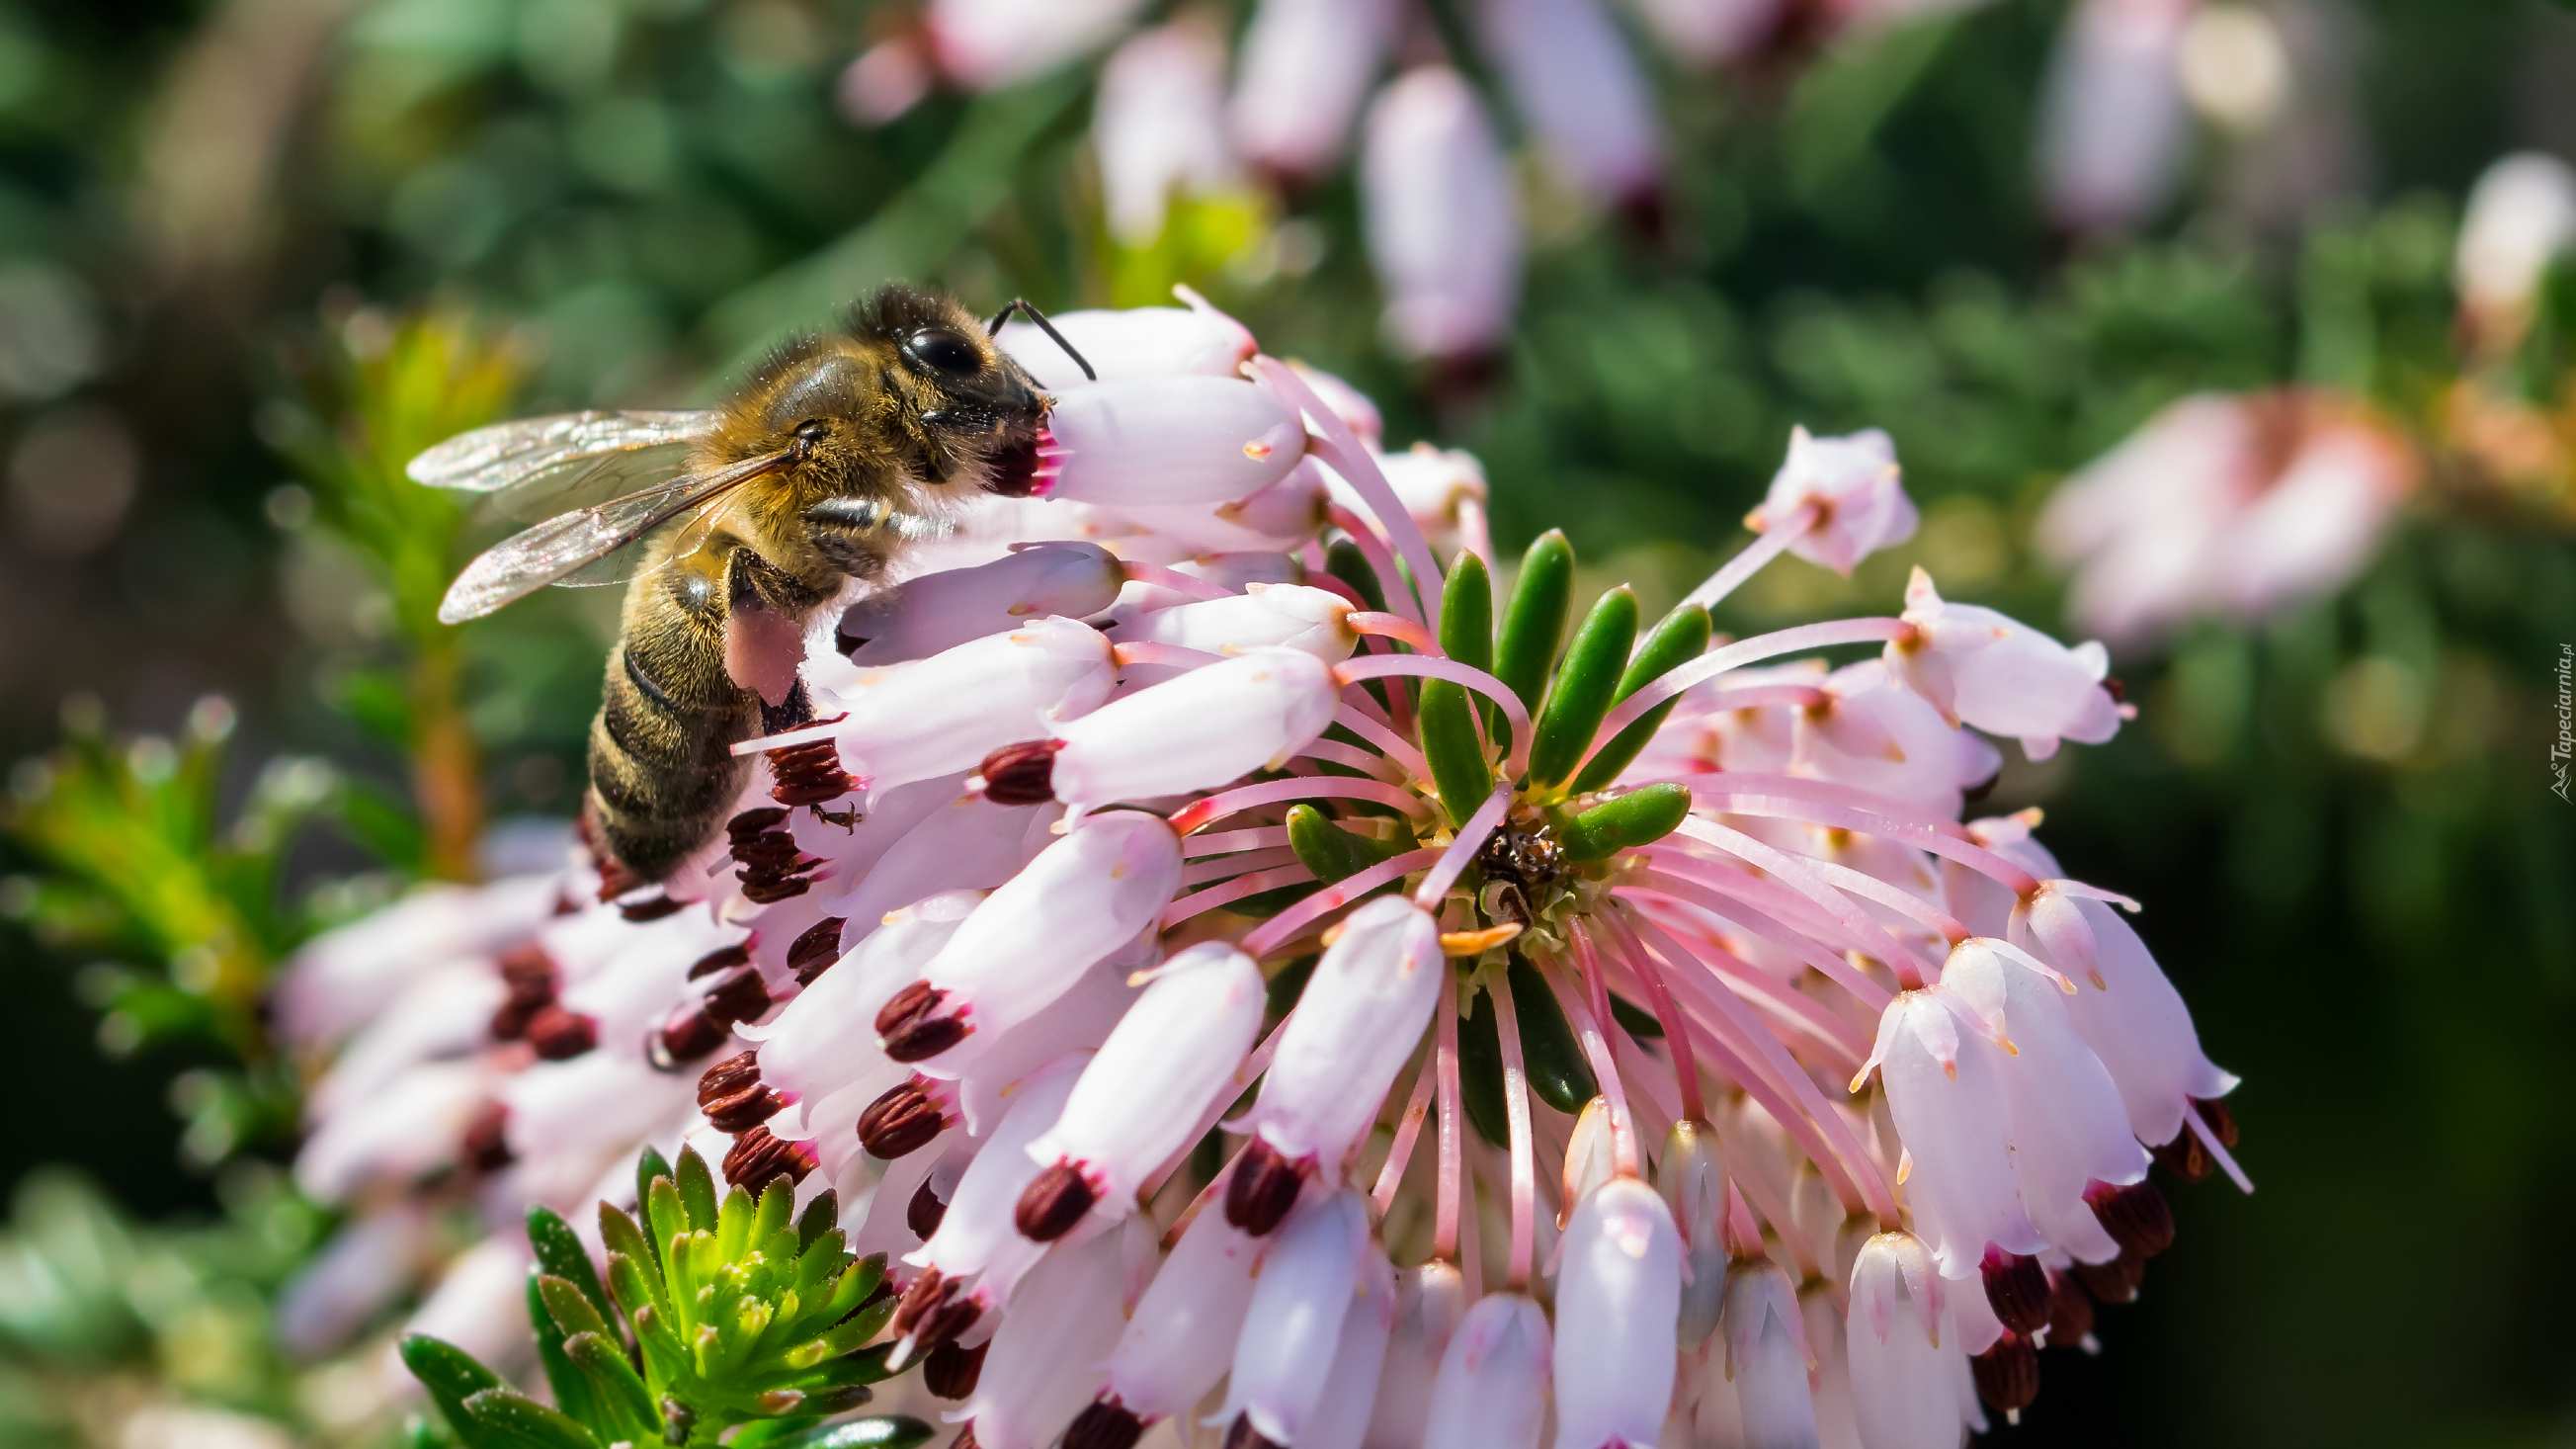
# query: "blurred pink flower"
1442, 221
2114, 125
1159, 126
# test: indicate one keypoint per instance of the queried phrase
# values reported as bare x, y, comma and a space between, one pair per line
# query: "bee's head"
977, 410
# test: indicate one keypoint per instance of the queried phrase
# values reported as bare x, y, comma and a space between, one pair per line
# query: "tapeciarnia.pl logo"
2566, 742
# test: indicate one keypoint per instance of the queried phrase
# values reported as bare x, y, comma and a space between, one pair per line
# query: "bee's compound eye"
939, 348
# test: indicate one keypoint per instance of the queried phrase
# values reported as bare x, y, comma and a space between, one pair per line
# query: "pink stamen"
1227, 867
1273, 792
1471, 838
1588, 1016
1746, 902
1396, 627
1802, 1013
1667, 1013
1895, 898
1334, 442
1376, 732
1764, 800
1739, 654
1146, 651
1749, 561
1399, 702
1390, 580
1517, 1267
1283, 927
2208, 1139
1379, 666
1408, 1130
1250, 884
1376, 766
1912, 970
1444, 1233
1225, 842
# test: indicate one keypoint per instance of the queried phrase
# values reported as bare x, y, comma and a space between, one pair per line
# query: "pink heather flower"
1159, 126
2240, 506
1490, 1390
1977, 666
1205, 440
2521, 220
1585, 100
1306, 66
1443, 225
1618, 1300
1855, 489
1904, 1376
998, 1028
1132, 345
925, 615
888, 79
1709, 33
984, 44
2114, 122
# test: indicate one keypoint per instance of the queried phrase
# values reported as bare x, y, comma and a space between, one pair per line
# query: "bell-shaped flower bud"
2114, 124
1443, 225
977, 1233
923, 615
1278, 519
1873, 732
1430, 1298
338, 981
1196, 732
1618, 1299
1173, 440
1306, 66
1130, 344
1285, 616
1341, 1414
1591, 1157
1490, 1393
1362, 1013
1573, 80
403, 1132
2068, 1125
1354, 407
1904, 1378
2136, 1022
932, 716
1294, 1324
1946, 1092
820, 1043
1044, 1361
1080, 899
965, 844
989, 43
1182, 1336
1976, 665
1856, 488
1158, 125
1767, 1358
2521, 217
1435, 485
1691, 1174
1169, 1060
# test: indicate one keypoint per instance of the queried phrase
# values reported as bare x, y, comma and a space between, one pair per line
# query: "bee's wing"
535, 467
523, 563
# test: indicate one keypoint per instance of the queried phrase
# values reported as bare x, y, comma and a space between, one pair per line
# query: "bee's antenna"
1021, 306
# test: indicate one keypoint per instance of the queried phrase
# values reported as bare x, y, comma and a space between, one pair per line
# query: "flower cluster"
1240, 971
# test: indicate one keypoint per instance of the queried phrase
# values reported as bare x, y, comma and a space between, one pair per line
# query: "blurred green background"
254, 253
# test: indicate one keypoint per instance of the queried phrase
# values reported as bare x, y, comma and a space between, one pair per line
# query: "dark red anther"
2007, 1374
529, 975
951, 1372
651, 908
1105, 1424
2116, 687
758, 1159
934, 1312
724, 960
685, 1036
919, 1298
741, 996
1244, 1436
900, 1122
907, 1029
2115, 1281
2070, 1312
485, 1147
755, 821
2017, 1286
733, 1096
560, 1035
808, 774
2137, 1216
813, 953
1264, 1188
1053, 1202
1021, 774
924, 1213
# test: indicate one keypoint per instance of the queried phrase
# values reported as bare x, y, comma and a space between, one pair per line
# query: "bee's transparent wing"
536, 467
572, 543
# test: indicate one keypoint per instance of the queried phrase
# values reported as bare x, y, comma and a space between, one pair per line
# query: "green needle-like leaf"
559, 1251
523, 1423
697, 1190
1558, 1071
1680, 638
1640, 817
1584, 684
892, 1431
570, 1309
1332, 853
451, 1376
821, 1219
1467, 613
1534, 620
650, 1165
1459, 769
1480, 1072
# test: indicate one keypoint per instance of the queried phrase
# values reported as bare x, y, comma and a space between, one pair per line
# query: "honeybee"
732, 526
